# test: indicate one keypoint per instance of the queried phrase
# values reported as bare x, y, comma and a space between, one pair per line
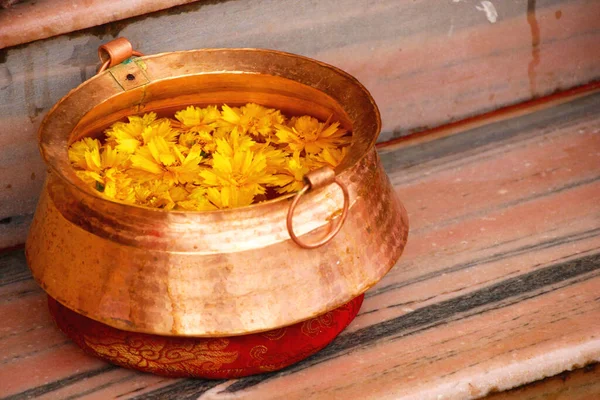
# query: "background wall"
426, 62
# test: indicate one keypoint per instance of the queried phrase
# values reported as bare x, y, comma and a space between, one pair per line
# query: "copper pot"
220, 273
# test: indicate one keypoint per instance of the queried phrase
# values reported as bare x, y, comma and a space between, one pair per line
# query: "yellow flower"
205, 139
234, 142
327, 158
117, 185
79, 149
86, 154
135, 126
276, 158
197, 126
291, 176
308, 134
128, 137
158, 194
236, 178
205, 159
178, 193
145, 120
160, 129
230, 197
161, 160
127, 133
253, 119
101, 168
197, 119
196, 201
154, 194
112, 183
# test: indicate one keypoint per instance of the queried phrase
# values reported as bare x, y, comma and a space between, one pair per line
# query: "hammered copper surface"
217, 273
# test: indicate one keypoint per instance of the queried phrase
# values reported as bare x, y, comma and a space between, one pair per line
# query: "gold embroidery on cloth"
263, 362
275, 334
313, 327
257, 352
153, 353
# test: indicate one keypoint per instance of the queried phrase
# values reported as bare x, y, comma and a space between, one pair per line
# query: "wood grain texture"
581, 384
27, 21
498, 287
426, 62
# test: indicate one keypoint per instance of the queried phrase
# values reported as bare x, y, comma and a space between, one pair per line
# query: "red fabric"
213, 358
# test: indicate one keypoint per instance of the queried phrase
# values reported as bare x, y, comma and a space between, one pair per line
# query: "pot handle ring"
315, 180
115, 52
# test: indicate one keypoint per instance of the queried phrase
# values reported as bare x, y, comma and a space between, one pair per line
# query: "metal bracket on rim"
116, 57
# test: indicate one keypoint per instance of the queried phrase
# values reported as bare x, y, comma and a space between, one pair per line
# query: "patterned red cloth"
212, 358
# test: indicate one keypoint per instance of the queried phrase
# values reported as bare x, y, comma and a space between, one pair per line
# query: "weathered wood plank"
499, 285
581, 384
27, 21
426, 62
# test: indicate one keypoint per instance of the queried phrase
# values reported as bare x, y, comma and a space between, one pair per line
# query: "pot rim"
74, 182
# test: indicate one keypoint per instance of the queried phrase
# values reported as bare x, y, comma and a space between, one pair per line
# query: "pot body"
223, 273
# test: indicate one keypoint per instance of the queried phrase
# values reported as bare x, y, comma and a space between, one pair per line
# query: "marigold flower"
78, 150
206, 159
327, 158
234, 142
291, 176
131, 130
129, 137
154, 194
235, 178
276, 158
205, 139
160, 160
308, 134
196, 201
253, 119
117, 185
101, 168
197, 119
